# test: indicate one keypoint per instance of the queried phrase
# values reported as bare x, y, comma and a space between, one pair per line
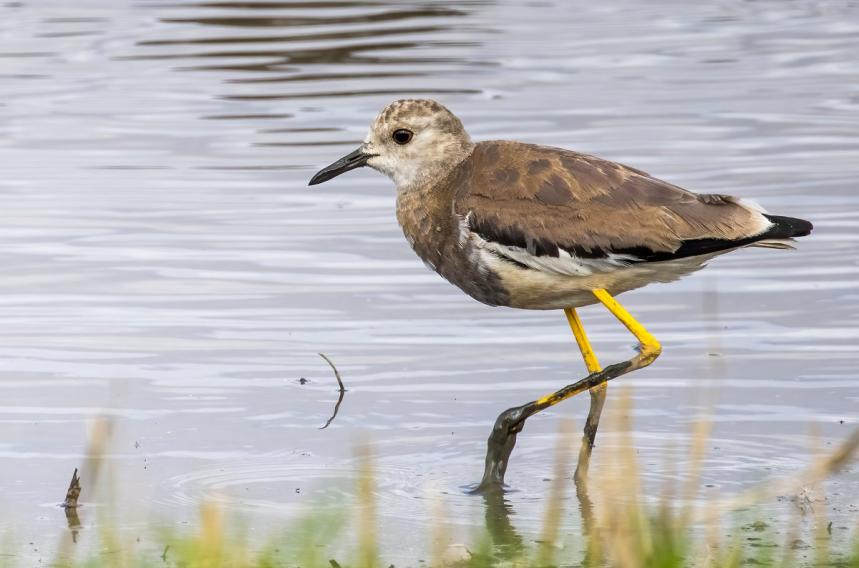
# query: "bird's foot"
500, 445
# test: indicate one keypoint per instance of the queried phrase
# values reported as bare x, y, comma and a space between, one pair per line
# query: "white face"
415, 143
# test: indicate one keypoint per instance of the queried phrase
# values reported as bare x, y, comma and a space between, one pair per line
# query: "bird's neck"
425, 213
431, 173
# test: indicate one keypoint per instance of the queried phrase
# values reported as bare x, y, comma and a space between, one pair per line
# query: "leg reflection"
589, 527
506, 542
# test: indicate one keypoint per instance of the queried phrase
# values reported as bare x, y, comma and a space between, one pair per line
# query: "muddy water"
164, 264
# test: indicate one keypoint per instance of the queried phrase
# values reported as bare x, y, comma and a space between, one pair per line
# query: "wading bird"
540, 228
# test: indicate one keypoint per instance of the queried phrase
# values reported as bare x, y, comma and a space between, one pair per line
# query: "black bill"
348, 162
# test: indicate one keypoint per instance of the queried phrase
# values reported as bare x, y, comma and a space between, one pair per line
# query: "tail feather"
783, 244
779, 235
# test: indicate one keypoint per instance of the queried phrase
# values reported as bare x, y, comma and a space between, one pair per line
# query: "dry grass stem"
555, 498
367, 546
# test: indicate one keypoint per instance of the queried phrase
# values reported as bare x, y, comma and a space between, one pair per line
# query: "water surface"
166, 266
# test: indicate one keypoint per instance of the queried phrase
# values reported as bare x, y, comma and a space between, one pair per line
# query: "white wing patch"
565, 264
464, 230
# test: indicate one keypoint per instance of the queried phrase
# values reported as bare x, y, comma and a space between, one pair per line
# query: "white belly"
545, 289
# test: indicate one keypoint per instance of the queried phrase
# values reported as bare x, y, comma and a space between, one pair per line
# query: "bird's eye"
402, 136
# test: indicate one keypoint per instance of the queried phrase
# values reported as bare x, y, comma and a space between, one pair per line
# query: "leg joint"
650, 350
650, 347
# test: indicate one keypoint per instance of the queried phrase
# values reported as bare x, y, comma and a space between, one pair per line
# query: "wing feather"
549, 201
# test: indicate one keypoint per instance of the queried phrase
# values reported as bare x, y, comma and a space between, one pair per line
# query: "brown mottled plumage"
592, 203
536, 227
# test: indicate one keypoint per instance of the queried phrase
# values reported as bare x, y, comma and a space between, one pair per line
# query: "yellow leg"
588, 354
510, 422
582, 340
598, 395
650, 347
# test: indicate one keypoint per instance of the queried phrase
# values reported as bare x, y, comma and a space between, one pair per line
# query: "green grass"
657, 541
621, 526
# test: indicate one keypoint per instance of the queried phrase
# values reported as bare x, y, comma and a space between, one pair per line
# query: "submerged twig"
98, 439
336, 372
73, 492
70, 504
342, 391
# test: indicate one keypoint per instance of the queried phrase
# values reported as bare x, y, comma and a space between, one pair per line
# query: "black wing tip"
782, 228
787, 227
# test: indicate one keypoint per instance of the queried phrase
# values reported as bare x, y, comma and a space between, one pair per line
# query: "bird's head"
411, 141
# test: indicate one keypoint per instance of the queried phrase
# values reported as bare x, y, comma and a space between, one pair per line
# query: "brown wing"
541, 198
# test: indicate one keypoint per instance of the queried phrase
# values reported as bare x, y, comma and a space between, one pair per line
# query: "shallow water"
166, 266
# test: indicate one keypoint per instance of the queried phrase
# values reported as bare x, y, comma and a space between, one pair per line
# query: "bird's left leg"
510, 422
597, 393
